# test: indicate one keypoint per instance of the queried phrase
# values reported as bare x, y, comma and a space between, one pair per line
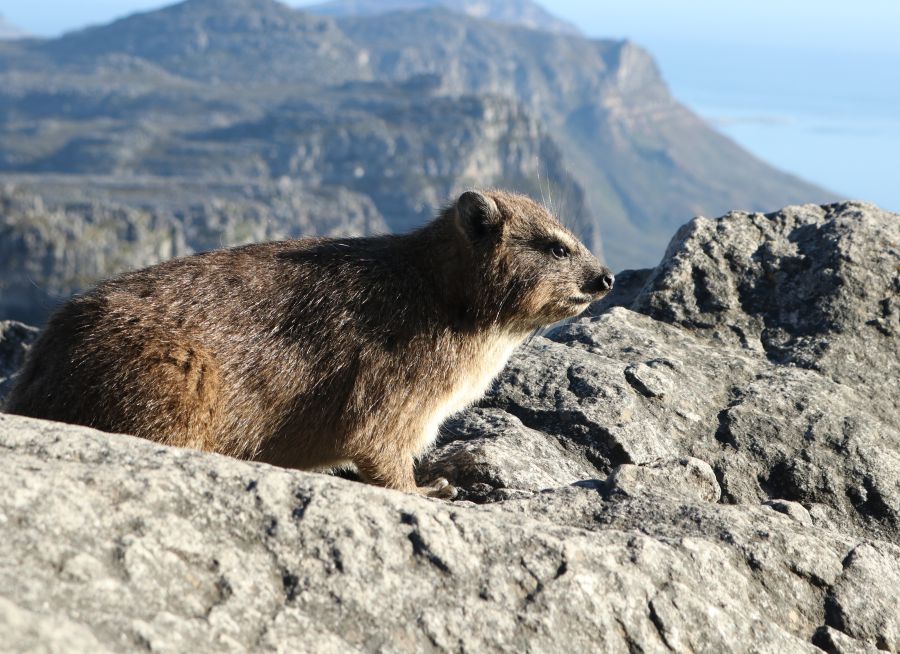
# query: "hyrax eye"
559, 251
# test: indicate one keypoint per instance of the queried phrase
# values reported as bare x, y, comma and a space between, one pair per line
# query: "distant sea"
830, 117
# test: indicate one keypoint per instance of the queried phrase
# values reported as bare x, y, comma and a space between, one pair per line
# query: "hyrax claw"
440, 488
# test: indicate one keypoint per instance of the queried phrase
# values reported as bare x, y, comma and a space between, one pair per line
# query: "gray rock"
835, 642
582, 400
791, 509
814, 287
689, 478
39, 633
135, 545
489, 449
15, 339
649, 378
769, 431
786, 363
855, 609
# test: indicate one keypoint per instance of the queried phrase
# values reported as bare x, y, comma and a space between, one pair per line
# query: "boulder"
817, 287
116, 543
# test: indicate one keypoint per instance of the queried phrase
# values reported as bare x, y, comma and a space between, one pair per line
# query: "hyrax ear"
478, 215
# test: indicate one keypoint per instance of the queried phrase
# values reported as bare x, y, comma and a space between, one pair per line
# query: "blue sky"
812, 86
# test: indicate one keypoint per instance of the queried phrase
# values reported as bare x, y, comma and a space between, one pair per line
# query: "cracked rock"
856, 608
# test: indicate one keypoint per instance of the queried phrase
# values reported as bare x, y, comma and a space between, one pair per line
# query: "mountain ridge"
10, 31
517, 12
146, 95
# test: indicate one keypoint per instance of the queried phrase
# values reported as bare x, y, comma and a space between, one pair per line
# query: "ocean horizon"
828, 116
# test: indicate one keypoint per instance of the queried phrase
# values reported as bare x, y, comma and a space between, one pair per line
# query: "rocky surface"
646, 479
811, 287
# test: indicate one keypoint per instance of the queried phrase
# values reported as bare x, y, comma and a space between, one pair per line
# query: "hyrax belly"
471, 381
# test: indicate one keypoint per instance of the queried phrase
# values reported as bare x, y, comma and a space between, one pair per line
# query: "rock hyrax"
314, 353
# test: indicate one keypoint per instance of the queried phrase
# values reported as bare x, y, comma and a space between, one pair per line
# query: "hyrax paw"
441, 488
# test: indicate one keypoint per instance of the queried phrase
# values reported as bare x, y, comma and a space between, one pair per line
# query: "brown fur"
317, 352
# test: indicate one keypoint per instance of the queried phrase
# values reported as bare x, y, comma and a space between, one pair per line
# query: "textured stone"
856, 607
814, 287
835, 642
489, 449
15, 339
171, 550
39, 633
791, 509
689, 478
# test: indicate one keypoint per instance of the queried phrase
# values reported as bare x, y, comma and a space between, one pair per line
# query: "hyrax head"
529, 269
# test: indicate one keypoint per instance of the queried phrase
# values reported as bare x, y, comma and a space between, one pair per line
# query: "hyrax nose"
601, 283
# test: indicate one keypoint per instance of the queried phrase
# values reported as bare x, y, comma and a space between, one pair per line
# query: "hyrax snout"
314, 353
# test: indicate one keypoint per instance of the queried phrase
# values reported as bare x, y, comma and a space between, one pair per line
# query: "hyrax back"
317, 352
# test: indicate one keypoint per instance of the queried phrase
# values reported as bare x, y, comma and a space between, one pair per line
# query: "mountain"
398, 110
645, 161
515, 12
219, 40
10, 31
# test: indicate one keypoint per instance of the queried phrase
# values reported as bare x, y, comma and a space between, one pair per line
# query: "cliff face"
646, 479
378, 139
58, 238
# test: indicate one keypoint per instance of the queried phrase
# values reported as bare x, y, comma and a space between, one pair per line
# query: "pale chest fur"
471, 380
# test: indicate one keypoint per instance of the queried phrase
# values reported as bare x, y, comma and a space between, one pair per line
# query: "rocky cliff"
644, 160
710, 463
60, 235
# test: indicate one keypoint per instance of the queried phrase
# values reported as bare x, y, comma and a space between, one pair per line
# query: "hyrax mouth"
580, 299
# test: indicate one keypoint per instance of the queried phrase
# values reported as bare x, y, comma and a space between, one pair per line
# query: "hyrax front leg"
395, 470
